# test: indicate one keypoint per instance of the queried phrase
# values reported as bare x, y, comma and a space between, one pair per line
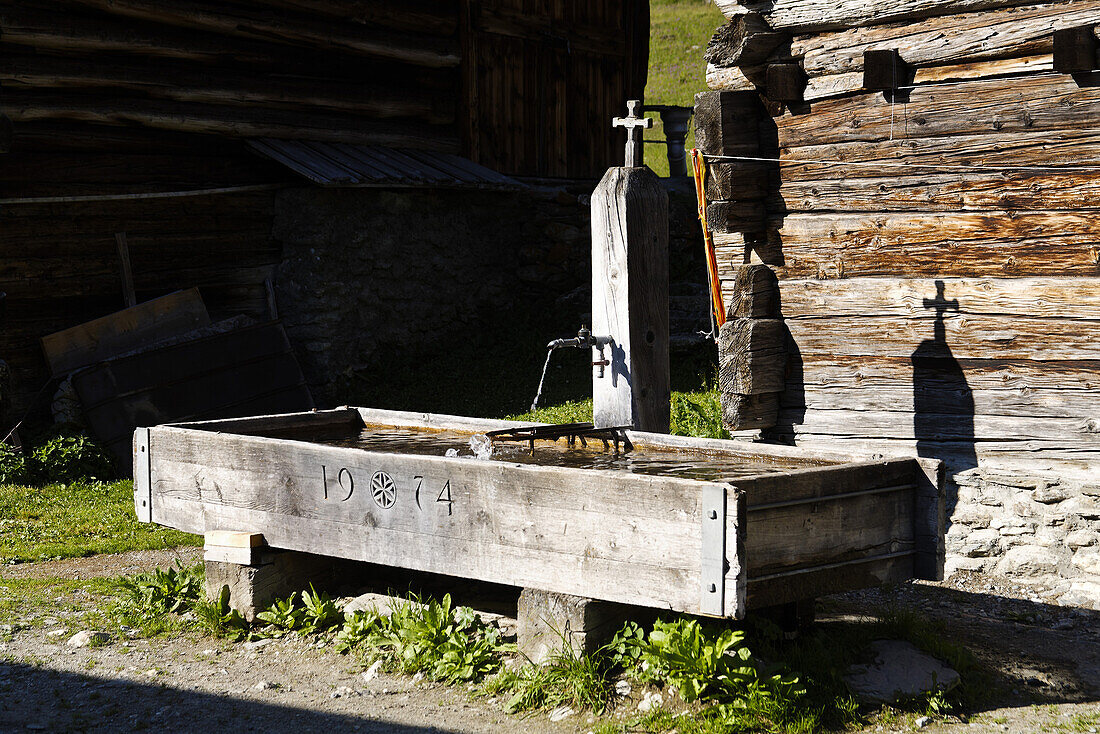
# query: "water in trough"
709, 466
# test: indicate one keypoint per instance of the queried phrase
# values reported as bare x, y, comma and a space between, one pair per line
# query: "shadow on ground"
38, 699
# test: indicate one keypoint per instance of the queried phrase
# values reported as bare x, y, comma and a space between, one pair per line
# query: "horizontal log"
431, 17
221, 120
225, 86
952, 39
943, 397
727, 123
301, 29
964, 337
741, 180
1030, 105
918, 191
952, 244
608, 39
1056, 298
846, 83
1081, 432
821, 15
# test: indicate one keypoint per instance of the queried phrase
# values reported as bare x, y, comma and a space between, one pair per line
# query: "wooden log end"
748, 412
746, 40
1075, 50
884, 70
786, 82
755, 293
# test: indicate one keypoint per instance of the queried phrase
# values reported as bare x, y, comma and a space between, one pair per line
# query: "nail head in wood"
786, 82
1075, 50
884, 70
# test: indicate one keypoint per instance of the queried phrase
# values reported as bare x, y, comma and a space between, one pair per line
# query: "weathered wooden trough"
689, 525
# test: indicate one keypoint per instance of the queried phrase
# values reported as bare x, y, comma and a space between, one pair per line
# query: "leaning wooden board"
678, 544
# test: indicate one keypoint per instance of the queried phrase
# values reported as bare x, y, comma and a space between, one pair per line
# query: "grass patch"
59, 602
679, 31
75, 520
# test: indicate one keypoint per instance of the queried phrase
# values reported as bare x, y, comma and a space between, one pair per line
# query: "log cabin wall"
941, 288
125, 100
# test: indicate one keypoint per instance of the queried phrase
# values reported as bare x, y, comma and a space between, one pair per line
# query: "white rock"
649, 702
265, 685
85, 638
923, 722
623, 688
259, 644
56, 633
418, 677
560, 713
372, 672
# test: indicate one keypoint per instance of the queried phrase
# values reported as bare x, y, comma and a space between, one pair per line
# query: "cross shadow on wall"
943, 403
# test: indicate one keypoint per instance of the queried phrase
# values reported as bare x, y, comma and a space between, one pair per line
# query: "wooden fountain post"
630, 290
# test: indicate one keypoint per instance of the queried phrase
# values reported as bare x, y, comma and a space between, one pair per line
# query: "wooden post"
630, 300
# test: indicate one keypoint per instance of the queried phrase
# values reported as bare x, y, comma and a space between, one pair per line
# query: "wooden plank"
743, 412
302, 29
528, 526
778, 541
94, 341
966, 337
982, 106
630, 300
239, 372
830, 579
1082, 432
950, 39
1055, 298
6, 133
928, 245
820, 15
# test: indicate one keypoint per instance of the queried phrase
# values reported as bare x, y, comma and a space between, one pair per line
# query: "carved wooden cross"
634, 124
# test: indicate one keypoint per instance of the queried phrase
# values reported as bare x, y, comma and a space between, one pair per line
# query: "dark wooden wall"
118, 100
1010, 377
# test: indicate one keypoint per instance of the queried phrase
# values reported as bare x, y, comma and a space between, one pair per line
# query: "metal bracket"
143, 487
713, 570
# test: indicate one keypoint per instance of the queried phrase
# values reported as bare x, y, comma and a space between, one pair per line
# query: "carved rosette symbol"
383, 490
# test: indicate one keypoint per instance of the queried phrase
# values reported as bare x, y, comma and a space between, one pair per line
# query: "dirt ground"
1046, 661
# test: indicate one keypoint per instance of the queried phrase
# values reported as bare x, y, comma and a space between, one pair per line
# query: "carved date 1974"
383, 488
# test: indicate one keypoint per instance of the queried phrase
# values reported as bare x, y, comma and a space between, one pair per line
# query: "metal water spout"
582, 340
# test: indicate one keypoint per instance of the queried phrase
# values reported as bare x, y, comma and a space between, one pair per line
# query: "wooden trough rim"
814, 461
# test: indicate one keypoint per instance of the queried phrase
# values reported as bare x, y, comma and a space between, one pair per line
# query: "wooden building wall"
110, 108
1008, 384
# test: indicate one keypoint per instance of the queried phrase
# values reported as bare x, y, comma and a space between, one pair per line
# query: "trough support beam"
273, 574
546, 621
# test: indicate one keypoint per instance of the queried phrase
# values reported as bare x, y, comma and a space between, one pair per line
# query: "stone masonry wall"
1040, 529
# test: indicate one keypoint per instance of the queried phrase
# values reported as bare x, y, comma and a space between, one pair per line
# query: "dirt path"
1046, 661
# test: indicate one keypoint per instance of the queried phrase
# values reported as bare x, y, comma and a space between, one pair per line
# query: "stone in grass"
85, 638
898, 671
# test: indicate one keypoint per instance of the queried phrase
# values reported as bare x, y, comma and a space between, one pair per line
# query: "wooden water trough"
789, 526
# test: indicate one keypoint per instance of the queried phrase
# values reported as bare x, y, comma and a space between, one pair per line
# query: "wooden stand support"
630, 300
273, 574
546, 620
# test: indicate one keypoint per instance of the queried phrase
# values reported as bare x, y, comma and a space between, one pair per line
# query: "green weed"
563, 679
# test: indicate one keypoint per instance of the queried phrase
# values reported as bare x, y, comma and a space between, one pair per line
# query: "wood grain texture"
752, 356
91, 342
630, 300
637, 543
937, 244
753, 293
820, 15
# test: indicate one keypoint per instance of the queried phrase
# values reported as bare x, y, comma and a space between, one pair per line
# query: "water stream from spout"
546, 366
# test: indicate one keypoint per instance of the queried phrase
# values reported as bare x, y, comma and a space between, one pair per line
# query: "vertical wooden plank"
630, 300
468, 97
143, 490
930, 519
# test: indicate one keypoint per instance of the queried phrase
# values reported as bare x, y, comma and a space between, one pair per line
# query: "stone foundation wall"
1040, 529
